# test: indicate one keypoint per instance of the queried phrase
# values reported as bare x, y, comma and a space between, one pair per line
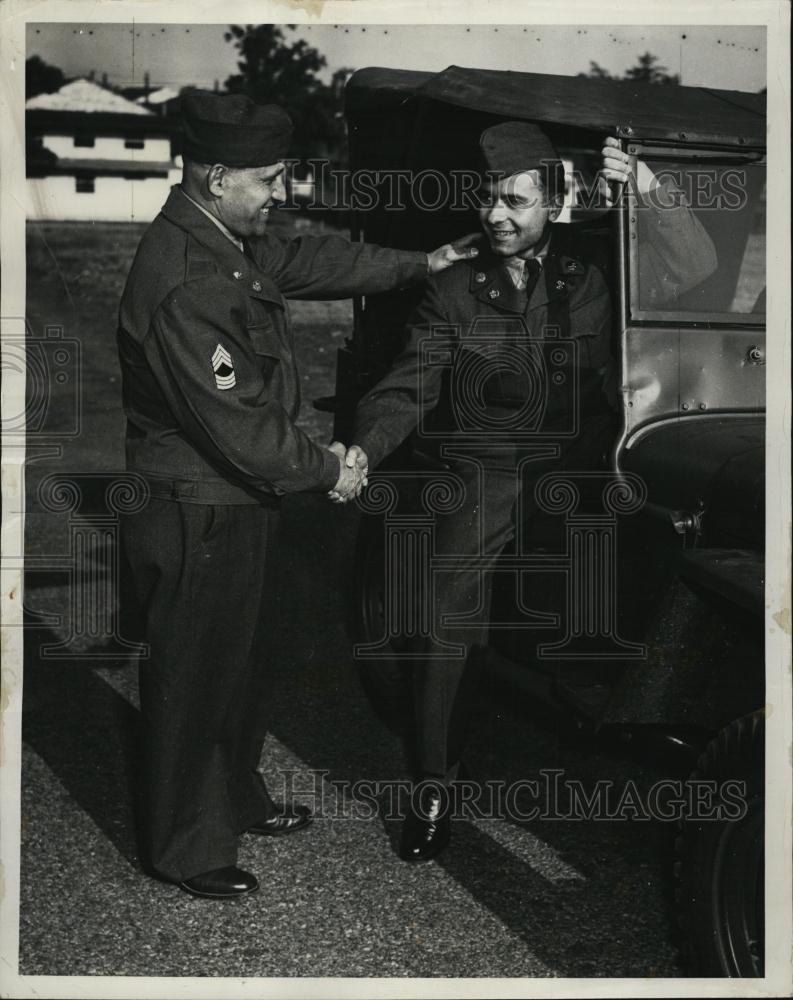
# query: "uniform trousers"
205, 579
496, 500
445, 686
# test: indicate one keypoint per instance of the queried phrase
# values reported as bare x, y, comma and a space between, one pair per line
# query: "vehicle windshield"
699, 247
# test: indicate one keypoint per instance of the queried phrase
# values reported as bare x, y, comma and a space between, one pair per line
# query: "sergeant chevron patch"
223, 367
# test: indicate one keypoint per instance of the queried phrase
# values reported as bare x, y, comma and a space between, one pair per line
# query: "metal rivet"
257, 286
684, 406
754, 355
703, 406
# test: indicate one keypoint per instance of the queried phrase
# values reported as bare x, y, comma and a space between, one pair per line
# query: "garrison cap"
513, 147
234, 130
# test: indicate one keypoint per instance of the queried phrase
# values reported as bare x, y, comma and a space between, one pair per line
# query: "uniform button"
257, 286
572, 266
481, 277
560, 285
238, 275
494, 293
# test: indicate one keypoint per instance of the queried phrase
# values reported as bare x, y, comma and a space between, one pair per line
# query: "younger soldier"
532, 290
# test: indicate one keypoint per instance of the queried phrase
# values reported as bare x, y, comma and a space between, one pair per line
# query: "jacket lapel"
558, 274
491, 283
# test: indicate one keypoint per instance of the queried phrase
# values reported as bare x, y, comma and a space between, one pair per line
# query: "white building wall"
109, 148
114, 199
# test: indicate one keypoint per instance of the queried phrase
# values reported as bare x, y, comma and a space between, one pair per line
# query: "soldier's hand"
616, 171
356, 458
354, 469
451, 253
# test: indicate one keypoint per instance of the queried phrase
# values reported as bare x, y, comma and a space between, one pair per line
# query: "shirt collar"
224, 229
516, 266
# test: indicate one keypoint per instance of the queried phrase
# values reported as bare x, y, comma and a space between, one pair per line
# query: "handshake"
353, 470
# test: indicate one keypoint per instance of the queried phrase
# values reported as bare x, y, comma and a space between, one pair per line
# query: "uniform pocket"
266, 340
201, 523
271, 358
210, 525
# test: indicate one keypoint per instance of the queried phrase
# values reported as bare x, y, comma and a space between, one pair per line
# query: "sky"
731, 58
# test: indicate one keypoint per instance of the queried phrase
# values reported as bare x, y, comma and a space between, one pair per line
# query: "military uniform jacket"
210, 387
478, 347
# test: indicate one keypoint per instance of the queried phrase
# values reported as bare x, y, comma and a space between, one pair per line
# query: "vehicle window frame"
676, 317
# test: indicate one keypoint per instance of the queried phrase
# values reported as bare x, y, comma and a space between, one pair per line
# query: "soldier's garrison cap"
513, 147
234, 130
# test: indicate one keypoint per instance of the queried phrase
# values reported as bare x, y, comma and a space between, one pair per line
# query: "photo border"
775, 14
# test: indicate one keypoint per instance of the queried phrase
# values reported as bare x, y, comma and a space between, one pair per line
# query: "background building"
94, 155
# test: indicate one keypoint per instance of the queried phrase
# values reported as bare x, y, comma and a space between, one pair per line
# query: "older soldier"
211, 394
533, 281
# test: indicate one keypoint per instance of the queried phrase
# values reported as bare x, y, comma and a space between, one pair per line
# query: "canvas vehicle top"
694, 116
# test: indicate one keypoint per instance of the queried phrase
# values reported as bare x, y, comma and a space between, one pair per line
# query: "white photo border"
775, 15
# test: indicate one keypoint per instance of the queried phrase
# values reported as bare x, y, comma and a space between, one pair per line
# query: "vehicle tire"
386, 681
719, 869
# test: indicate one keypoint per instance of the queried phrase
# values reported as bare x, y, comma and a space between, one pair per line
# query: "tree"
41, 78
645, 71
596, 72
273, 70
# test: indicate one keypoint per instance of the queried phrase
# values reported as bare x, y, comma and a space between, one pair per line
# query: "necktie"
531, 274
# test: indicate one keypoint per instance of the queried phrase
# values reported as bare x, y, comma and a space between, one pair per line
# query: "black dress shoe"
427, 829
287, 820
221, 883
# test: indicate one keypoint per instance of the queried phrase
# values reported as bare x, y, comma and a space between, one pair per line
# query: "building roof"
133, 93
160, 96
85, 96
